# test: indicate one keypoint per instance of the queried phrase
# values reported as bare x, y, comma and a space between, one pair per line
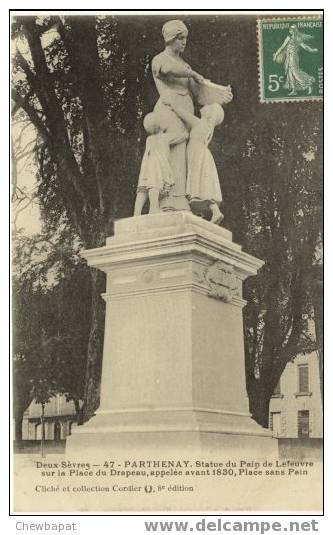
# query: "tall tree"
51, 307
75, 97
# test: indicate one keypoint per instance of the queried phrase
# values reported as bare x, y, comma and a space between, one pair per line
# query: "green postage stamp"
290, 59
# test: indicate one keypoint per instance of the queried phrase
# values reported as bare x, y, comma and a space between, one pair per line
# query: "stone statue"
202, 179
156, 175
177, 84
173, 76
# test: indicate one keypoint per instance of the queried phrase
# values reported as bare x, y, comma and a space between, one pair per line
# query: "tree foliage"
51, 308
85, 84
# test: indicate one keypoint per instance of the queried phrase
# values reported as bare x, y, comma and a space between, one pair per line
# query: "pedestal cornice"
189, 237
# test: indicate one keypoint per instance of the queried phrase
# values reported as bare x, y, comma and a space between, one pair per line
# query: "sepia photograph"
167, 261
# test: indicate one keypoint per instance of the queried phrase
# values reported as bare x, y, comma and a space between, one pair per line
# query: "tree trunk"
18, 426
259, 404
95, 347
78, 409
42, 421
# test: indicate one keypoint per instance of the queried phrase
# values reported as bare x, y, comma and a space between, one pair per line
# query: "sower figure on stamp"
202, 177
296, 79
156, 175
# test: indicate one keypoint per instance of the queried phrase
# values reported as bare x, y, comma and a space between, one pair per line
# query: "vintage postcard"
167, 262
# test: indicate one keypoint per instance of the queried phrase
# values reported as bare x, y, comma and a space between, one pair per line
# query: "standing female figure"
202, 178
296, 79
156, 176
175, 78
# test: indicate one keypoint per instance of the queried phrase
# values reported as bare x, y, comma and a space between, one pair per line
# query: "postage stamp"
290, 59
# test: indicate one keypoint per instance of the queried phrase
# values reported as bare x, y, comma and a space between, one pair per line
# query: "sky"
25, 214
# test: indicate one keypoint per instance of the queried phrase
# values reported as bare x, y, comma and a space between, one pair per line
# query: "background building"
59, 418
296, 407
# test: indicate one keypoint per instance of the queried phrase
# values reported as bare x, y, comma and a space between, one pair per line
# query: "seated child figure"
202, 178
156, 176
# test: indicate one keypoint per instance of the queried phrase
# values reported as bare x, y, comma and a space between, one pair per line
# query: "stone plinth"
173, 376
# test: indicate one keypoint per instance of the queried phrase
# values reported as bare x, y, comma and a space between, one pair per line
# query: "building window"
303, 379
303, 424
275, 423
277, 389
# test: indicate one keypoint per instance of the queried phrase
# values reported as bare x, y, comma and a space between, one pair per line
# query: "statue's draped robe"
178, 88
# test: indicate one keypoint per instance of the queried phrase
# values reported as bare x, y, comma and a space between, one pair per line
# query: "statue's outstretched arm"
308, 48
166, 67
180, 71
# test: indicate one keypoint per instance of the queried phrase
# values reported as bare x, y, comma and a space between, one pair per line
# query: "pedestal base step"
200, 432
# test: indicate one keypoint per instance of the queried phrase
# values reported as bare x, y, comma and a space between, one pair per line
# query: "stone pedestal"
173, 379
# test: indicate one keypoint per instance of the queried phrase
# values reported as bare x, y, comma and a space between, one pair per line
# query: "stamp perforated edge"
286, 100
